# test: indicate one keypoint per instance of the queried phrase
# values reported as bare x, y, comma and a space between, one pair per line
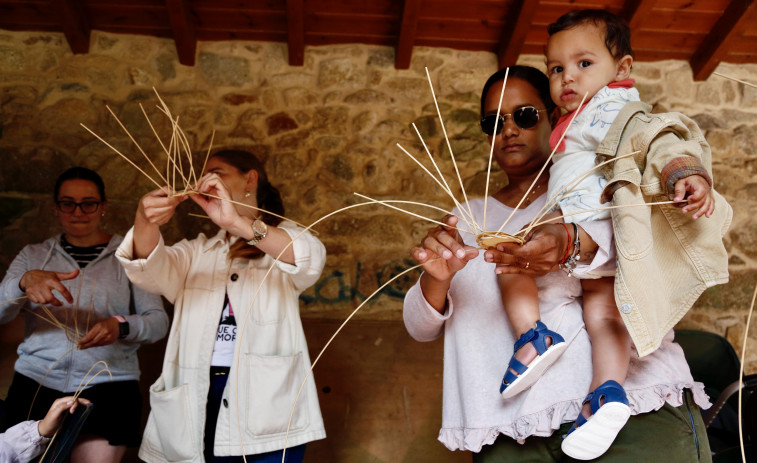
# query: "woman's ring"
527, 264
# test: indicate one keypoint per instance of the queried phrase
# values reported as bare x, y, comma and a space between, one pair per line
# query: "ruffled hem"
545, 422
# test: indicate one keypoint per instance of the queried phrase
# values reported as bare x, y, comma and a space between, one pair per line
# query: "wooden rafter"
408, 29
75, 24
636, 11
184, 32
516, 28
715, 45
296, 32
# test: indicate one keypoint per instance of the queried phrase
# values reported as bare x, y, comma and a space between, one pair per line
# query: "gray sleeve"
149, 323
11, 295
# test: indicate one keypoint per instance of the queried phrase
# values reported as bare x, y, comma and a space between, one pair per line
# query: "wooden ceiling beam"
714, 47
296, 32
408, 31
74, 22
635, 12
517, 25
184, 32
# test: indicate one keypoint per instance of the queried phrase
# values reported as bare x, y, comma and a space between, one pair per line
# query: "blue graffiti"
350, 291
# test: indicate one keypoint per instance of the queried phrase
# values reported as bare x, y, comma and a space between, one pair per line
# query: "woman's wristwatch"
259, 231
123, 326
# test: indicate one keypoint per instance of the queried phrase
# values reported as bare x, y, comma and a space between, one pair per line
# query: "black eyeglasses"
526, 118
87, 207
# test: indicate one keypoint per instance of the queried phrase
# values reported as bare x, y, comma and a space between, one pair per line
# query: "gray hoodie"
100, 291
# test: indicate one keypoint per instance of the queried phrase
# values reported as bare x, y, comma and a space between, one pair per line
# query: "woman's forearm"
435, 292
146, 237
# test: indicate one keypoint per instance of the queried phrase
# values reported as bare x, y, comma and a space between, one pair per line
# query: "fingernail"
447, 254
460, 253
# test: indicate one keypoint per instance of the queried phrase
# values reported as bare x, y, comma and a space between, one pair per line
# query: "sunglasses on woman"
526, 118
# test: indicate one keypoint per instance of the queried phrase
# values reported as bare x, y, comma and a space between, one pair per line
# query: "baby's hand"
697, 192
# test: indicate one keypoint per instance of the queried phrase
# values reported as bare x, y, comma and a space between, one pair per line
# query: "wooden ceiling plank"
296, 32
714, 47
635, 12
184, 31
515, 31
74, 23
408, 31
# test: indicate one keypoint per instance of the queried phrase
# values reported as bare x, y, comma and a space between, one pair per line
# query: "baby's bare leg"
521, 300
610, 341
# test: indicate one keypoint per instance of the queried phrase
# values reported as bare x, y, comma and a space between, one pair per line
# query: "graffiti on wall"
336, 287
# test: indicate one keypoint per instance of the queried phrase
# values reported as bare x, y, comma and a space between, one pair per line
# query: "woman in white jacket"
224, 393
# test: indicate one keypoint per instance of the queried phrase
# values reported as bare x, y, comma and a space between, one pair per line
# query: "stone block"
299, 97
381, 58
646, 71
221, 70
428, 126
464, 147
237, 99
166, 63
291, 79
708, 93
364, 121
339, 166
709, 121
679, 84
460, 80
408, 88
736, 295
420, 62
344, 72
11, 59
748, 96
247, 125
331, 119
280, 122
744, 237
140, 77
293, 140
368, 97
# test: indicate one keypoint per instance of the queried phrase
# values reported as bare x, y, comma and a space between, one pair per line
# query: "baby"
589, 53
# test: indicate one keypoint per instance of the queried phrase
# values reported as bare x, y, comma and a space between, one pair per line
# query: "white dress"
478, 343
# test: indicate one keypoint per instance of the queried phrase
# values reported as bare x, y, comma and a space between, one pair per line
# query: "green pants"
671, 434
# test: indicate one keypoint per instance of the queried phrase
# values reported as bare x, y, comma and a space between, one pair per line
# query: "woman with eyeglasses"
458, 297
79, 309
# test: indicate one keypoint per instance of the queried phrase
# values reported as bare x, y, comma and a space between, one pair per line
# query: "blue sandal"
520, 377
590, 437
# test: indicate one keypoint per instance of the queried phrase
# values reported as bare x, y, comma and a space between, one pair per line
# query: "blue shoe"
590, 438
520, 377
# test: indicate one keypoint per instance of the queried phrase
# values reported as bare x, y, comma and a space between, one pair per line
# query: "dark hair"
268, 196
617, 32
533, 76
80, 173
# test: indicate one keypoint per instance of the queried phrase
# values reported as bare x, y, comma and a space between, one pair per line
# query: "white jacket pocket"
173, 420
272, 385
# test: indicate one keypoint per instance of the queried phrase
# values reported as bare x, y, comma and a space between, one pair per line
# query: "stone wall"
325, 130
